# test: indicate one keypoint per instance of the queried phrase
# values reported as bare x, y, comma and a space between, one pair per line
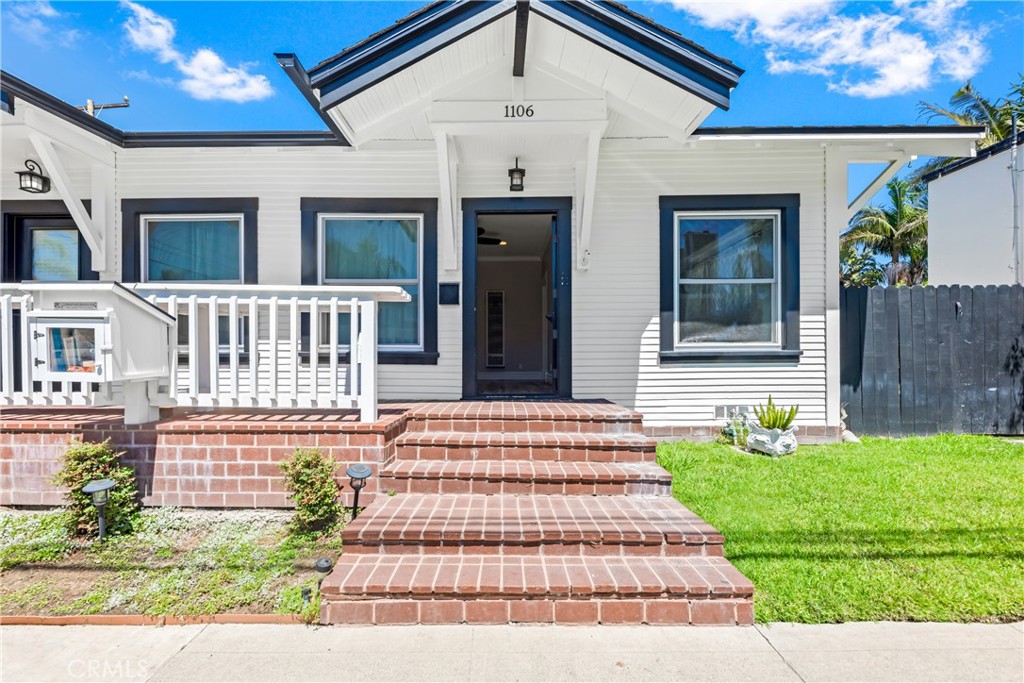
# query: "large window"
730, 278
192, 248
727, 272
376, 249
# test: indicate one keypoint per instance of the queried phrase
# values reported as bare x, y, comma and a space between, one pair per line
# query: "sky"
210, 65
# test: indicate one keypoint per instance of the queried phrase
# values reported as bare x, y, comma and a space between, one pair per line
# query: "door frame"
561, 280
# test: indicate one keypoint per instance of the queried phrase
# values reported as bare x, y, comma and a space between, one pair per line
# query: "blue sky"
210, 65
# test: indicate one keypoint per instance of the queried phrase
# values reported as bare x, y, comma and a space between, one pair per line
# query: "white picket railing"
248, 346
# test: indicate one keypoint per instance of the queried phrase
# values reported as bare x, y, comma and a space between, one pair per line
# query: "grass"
913, 529
177, 562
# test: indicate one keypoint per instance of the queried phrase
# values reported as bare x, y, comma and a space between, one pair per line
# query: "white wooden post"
314, 349
254, 361
214, 346
368, 360
333, 327
6, 346
353, 351
233, 345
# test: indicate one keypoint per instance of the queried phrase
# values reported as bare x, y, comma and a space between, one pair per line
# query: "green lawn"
912, 529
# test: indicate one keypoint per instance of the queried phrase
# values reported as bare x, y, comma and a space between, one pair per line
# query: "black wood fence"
924, 360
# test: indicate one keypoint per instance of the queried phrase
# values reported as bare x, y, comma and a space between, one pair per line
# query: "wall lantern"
357, 474
99, 491
33, 180
515, 178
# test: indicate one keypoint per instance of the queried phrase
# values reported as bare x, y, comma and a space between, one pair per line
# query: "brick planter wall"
201, 460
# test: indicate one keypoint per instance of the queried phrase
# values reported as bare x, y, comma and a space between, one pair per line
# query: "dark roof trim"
405, 44
522, 26
990, 151
655, 48
293, 67
12, 87
47, 102
838, 130
231, 139
650, 46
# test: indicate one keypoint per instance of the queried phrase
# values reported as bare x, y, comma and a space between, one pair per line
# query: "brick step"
531, 525
525, 477
538, 446
432, 589
525, 416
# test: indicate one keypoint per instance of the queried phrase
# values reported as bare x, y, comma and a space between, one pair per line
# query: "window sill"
739, 356
383, 357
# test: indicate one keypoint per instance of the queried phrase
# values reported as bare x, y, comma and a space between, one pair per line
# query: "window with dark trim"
193, 218
405, 256
41, 242
730, 278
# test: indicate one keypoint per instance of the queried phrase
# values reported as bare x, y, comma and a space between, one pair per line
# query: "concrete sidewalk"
782, 652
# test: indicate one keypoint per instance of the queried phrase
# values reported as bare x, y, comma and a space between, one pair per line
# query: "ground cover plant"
181, 562
909, 529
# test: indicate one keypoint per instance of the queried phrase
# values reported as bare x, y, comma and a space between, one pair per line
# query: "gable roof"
621, 31
990, 151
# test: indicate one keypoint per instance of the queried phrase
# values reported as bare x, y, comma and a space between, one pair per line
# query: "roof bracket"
91, 231
586, 187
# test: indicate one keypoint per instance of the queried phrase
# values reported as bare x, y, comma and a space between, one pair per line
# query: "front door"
516, 304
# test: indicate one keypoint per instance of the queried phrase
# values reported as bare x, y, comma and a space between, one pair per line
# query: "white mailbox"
99, 332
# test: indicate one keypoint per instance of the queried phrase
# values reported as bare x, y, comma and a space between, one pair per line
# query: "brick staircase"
530, 512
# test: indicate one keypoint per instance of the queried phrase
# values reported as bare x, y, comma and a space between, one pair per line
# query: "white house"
526, 191
974, 238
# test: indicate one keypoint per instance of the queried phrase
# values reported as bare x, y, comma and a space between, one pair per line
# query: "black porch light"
33, 179
515, 178
357, 474
99, 491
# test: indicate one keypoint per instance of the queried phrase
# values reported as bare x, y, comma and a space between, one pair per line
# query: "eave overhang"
608, 25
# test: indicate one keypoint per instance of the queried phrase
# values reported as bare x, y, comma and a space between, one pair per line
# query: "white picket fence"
244, 346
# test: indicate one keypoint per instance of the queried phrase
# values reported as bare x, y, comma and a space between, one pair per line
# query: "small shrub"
737, 428
309, 476
774, 417
85, 461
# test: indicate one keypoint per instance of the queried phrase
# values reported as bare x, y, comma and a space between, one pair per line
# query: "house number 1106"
518, 111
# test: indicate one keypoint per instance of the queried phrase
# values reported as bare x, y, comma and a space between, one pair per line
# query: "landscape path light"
99, 491
357, 474
322, 567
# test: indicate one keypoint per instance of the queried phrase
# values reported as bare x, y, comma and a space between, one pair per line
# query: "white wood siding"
616, 302
279, 178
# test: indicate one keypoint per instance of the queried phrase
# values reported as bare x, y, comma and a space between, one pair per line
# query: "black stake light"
99, 491
357, 474
322, 567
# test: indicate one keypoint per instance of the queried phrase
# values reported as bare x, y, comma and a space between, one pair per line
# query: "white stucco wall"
970, 225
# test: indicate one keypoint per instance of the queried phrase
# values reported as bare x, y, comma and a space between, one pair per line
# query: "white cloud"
38, 21
204, 75
870, 52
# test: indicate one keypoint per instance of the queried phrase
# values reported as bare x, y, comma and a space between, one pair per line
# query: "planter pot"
773, 442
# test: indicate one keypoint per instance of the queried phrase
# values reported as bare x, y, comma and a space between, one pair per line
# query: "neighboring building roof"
12, 87
990, 151
623, 32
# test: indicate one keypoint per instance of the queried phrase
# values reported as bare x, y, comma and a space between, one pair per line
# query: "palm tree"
895, 231
968, 107
858, 266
